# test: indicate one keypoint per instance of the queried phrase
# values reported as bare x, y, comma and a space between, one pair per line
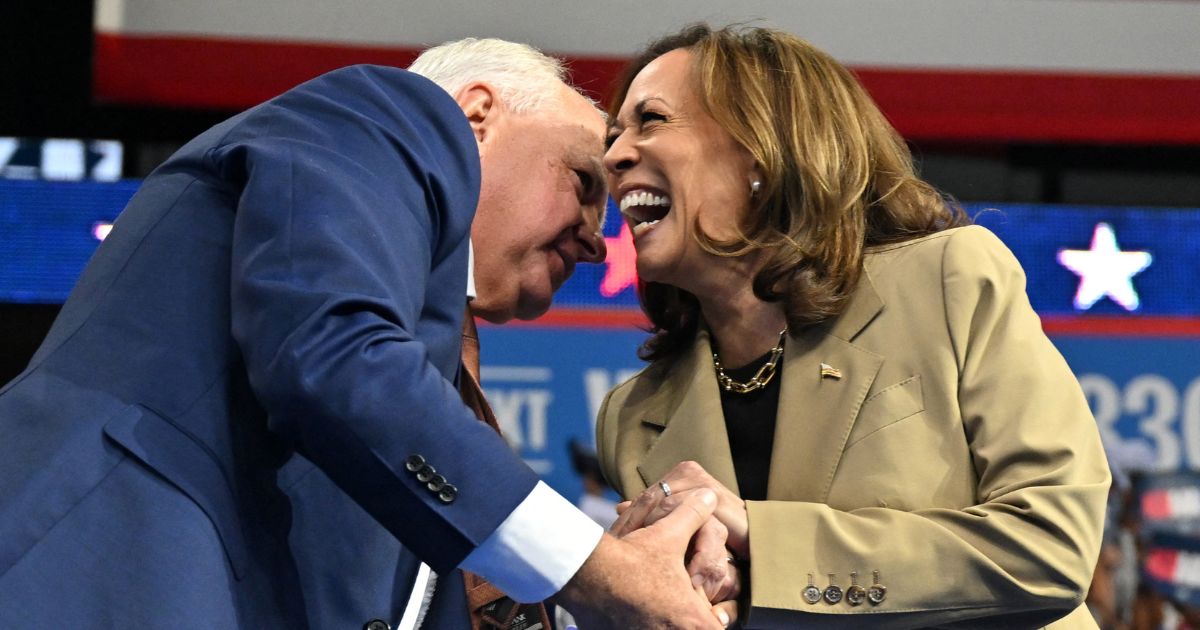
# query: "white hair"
526, 78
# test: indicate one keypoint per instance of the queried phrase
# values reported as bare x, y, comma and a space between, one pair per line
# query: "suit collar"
688, 408
864, 305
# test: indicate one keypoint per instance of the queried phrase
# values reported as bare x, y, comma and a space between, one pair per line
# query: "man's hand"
639, 580
712, 567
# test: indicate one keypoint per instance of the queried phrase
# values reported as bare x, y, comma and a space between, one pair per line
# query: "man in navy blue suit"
246, 414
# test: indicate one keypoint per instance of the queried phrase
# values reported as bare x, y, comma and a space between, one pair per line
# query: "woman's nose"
621, 155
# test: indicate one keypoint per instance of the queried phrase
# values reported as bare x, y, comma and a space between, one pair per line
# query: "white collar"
470, 271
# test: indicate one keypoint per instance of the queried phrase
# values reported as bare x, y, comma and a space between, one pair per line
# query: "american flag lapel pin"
828, 371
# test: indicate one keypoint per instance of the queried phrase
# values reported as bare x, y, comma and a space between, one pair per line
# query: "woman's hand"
710, 563
653, 503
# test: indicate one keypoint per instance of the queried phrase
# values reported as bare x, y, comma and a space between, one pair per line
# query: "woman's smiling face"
673, 168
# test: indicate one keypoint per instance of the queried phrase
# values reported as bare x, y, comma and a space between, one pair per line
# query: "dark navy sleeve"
353, 189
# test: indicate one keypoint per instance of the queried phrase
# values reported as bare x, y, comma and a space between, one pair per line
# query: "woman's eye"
649, 117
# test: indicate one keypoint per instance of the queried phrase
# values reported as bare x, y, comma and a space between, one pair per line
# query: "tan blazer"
955, 454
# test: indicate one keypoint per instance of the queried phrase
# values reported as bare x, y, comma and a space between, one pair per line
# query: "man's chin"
502, 314
532, 311
529, 315
504, 307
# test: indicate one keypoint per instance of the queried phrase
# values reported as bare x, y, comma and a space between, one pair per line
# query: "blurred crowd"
1148, 573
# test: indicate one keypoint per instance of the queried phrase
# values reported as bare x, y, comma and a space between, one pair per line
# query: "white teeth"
643, 227
643, 198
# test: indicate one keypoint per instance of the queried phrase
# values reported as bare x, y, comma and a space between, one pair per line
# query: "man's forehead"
573, 138
581, 110
587, 140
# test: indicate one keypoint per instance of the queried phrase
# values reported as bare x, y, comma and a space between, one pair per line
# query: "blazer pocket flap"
888, 406
186, 464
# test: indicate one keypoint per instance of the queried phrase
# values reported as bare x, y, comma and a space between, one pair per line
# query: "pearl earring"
755, 186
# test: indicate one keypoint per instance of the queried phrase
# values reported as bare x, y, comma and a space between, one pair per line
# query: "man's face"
540, 207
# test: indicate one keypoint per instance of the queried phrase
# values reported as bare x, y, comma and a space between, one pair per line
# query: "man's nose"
591, 242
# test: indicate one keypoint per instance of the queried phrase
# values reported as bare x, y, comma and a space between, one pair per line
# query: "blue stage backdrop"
1115, 288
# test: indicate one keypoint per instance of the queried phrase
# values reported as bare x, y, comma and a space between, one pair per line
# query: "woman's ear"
756, 181
480, 105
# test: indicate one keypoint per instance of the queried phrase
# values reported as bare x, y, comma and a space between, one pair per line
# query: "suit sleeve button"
436, 483
413, 463
448, 493
426, 473
376, 624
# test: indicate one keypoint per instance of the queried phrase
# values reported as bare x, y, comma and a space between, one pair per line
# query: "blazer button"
436, 483
448, 493
376, 624
413, 463
426, 473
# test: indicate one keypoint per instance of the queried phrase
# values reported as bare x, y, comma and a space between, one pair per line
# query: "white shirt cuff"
538, 548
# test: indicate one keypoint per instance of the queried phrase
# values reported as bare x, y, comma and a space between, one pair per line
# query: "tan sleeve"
1023, 556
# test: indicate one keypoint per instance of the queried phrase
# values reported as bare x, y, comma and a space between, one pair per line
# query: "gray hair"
526, 78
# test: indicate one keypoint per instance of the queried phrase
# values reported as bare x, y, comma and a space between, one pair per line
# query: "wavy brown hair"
837, 176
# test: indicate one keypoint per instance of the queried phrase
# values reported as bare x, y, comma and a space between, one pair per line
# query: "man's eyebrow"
599, 182
588, 155
599, 186
592, 162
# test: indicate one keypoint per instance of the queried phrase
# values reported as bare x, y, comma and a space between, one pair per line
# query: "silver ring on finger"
665, 488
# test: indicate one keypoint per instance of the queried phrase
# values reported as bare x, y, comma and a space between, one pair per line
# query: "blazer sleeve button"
413, 463
436, 483
426, 473
448, 493
376, 624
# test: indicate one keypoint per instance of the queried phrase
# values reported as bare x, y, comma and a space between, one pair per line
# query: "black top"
750, 423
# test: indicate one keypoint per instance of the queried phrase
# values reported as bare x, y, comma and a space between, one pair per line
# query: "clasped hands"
719, 547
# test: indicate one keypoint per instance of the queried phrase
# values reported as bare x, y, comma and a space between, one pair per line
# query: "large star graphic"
1105, 270
620, 270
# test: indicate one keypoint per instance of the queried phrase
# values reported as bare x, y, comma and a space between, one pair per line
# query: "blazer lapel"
825, 380
693, 426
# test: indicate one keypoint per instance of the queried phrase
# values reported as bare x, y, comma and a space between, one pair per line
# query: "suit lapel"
693, 426
817, 409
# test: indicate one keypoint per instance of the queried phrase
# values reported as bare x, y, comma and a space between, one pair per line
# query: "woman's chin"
650, 269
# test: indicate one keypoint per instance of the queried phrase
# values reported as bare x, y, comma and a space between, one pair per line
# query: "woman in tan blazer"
855, 371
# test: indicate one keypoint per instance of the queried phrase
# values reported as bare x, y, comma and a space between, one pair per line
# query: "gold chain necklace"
760, 378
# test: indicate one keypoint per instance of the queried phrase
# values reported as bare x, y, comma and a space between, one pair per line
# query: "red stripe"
1122, 326
217, 73
1161, 563
923, 104
627, 319
1039, 106
1156, 505
633, 319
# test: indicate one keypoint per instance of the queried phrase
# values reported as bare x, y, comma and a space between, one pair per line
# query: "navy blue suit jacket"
214, 432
